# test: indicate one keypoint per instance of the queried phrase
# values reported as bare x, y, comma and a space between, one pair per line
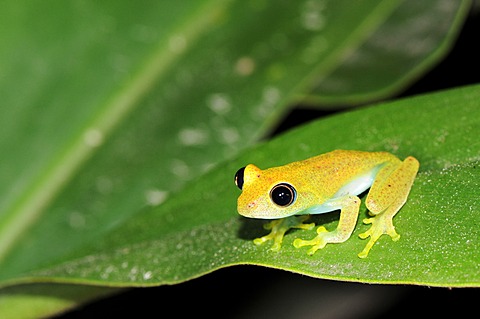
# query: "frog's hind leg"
387, 195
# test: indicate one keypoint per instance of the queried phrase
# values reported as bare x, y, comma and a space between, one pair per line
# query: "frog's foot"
381, 224
317, 243
279, 227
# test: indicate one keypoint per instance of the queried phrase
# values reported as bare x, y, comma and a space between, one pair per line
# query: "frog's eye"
239, 177
283, 194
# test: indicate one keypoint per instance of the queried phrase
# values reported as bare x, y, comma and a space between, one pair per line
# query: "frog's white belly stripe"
355, 187
326, 207
358, 185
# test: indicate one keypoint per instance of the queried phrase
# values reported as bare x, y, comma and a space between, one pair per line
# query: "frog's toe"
368, 220
277, 241
297, 243
392, 233
316, 247
380, 225
276, 246
279, 227
321, 229
368, 246
261, 240
270, 225
317, 243
305, 226
364, 253
365, 234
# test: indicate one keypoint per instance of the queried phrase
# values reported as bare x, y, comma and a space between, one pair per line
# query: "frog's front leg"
279, 227
350, 206
385, 198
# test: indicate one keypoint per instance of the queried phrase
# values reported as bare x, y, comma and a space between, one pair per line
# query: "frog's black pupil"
283, 194
239, 177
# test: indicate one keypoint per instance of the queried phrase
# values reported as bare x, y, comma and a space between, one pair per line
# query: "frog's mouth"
254, 210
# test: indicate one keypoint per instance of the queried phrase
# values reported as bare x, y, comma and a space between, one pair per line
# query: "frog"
289, 195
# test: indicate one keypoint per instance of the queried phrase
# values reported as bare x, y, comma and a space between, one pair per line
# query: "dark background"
257, 292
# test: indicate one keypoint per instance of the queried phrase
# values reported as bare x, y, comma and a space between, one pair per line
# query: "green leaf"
416, 35
35, 300
198, 230
108, 111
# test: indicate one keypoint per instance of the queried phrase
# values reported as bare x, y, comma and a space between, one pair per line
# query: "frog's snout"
247, 209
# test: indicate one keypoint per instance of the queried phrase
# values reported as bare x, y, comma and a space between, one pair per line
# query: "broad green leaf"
109, 109
198, 230
415, 36
39, 300
170, 98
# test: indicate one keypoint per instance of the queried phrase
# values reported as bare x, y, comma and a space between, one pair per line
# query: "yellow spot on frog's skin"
327, 183
245, 66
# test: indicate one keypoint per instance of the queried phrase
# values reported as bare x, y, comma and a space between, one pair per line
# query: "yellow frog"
324, 183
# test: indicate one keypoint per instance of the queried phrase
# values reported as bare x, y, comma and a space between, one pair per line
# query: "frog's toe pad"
276, 246
362, 235
321, 229
363, 254
317, 243
395, 236
261, 240
300, 243
305, 226
368, 220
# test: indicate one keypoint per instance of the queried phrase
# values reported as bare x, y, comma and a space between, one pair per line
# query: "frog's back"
351, 157
325, 174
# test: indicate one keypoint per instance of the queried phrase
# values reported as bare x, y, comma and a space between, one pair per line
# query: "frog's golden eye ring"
283, 194
239, 177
